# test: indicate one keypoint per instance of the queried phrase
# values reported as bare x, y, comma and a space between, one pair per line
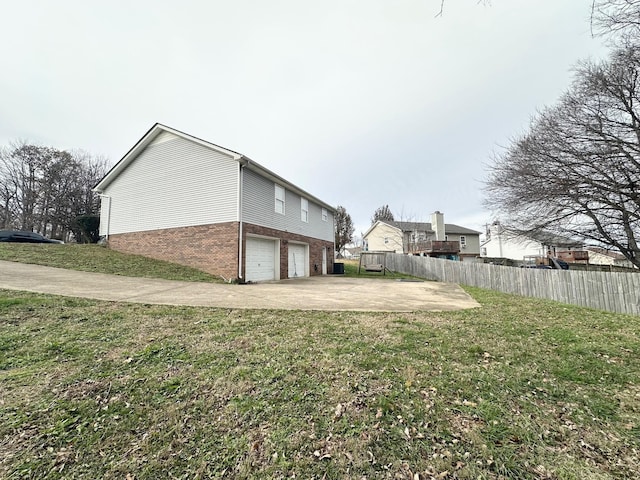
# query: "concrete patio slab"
330, 292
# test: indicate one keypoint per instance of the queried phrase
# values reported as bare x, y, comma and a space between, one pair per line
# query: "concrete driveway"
329, 292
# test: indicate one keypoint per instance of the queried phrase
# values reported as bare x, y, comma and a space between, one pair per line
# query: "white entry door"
324, 260
297, 260
260, 259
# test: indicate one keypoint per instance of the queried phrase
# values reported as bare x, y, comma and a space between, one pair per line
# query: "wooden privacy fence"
614, 292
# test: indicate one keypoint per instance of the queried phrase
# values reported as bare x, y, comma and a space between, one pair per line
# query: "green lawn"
351, 270
517, 389
94, 258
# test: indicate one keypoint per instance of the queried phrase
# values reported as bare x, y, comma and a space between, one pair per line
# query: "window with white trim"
325, 215
279, 199
463, 241
304, 210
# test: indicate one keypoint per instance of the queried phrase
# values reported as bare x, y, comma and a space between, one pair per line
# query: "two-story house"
501, 242
435, 239
179, 198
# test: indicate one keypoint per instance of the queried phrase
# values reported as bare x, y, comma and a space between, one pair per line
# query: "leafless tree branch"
576, 172
43, 189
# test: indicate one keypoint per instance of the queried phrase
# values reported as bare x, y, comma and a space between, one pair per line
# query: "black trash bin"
338, 268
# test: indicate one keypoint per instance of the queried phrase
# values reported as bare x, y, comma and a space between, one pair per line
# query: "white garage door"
297, 260
261, 259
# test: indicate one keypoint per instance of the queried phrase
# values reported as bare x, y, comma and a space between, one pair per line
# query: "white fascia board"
380, 222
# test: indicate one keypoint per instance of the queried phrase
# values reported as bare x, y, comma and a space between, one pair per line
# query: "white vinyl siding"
163, 137
257, 209
304, 210
384, 237
280, 194
174, 183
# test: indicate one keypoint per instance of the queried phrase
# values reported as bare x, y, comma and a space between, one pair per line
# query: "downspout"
243, 163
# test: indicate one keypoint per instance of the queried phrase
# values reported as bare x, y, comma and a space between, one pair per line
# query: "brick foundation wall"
315, 249
211, 248
214, 248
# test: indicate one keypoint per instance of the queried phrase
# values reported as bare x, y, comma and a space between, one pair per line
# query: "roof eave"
157, 128
379, 222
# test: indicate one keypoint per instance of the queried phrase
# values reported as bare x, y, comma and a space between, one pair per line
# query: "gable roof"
159, 128
380, 222
427, 227
551, 239
449, 228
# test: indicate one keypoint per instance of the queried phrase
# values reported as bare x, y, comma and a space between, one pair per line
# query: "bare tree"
344, 228
442, 2
84, 201
23, 167
577, 171
617, 18
8, 190
44, 189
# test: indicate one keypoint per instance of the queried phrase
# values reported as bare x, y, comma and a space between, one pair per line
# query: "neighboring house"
435, 239
352, 252
176, 197
349, 252
499, 242
601, 256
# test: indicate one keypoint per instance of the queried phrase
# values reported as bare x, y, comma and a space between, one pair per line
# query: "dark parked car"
21, 236
559, 264
553, 263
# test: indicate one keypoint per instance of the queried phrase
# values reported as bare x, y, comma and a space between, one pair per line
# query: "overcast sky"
360, 102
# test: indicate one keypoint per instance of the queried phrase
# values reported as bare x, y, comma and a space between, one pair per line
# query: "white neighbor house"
601, 256
499, 243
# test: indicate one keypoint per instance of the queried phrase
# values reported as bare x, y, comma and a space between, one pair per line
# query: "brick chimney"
437, 224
